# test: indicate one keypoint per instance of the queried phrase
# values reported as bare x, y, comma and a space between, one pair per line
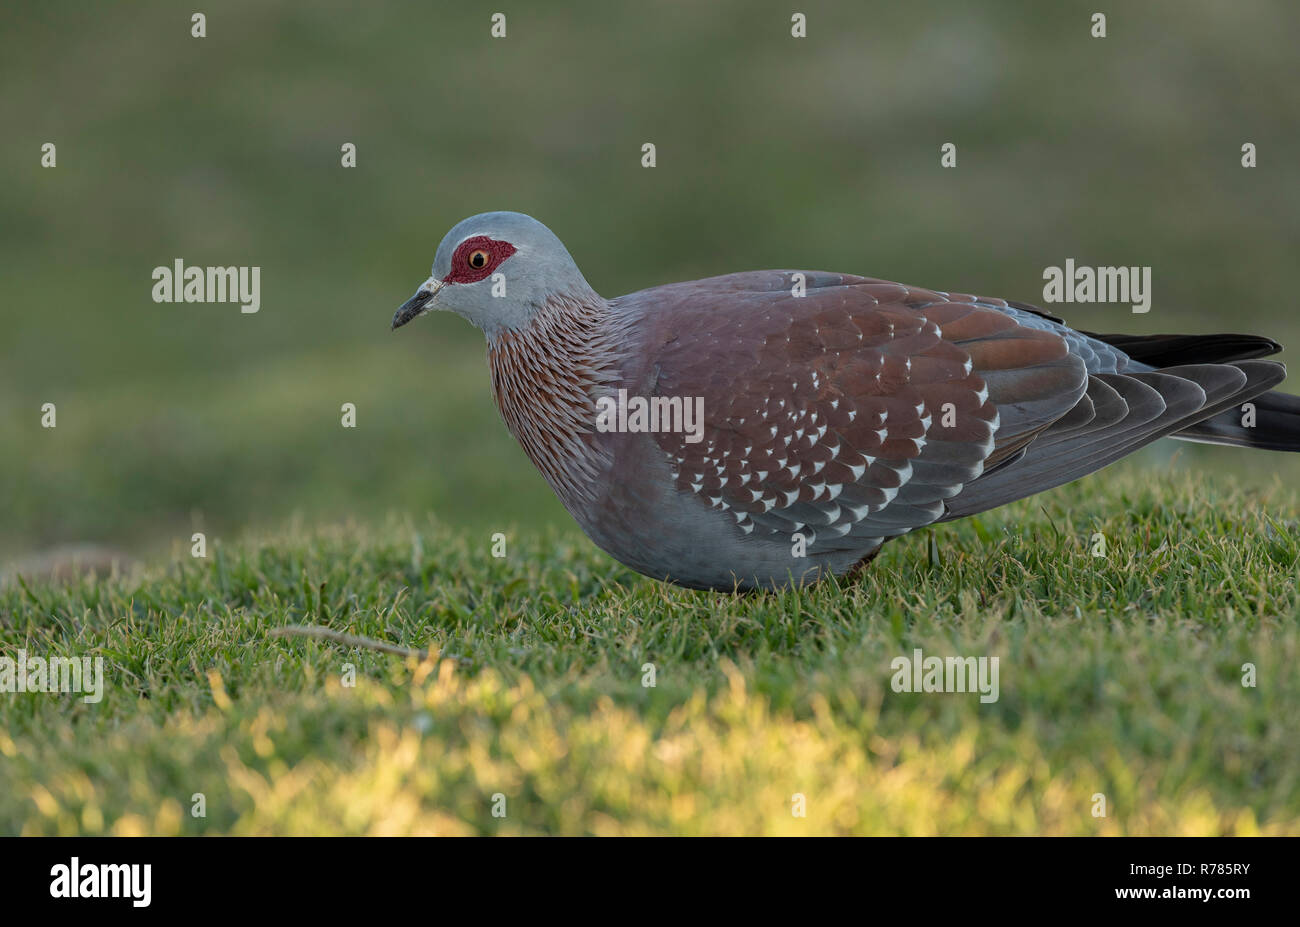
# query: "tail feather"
1173, 350
1268, 421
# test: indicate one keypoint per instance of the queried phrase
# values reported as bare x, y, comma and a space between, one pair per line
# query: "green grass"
1119, 675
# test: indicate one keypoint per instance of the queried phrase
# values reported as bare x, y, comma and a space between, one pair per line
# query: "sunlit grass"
1119, 675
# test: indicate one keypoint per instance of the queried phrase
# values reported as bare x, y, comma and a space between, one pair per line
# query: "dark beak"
417, 305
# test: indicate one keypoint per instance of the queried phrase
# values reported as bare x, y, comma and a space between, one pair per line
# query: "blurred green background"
772, 152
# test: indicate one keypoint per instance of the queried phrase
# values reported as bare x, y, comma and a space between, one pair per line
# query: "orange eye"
478, 259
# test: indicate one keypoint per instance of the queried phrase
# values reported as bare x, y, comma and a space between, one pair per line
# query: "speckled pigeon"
838, 411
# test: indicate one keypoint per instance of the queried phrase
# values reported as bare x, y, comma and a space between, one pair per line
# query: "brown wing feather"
851, 413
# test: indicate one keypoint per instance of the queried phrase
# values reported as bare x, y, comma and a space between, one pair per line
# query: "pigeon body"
837, 411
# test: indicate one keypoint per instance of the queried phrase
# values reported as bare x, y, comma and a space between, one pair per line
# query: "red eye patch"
465, 263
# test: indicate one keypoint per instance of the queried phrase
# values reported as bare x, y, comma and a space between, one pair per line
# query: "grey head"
497, 269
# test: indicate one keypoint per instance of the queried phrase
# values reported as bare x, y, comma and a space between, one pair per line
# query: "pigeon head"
497, 269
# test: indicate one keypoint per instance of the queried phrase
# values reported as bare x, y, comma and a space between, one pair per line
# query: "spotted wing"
849, 414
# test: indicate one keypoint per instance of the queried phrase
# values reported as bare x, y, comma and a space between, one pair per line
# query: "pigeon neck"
545, 378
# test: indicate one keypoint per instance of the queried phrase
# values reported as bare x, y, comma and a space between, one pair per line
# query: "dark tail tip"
1270, 421
1175, 350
